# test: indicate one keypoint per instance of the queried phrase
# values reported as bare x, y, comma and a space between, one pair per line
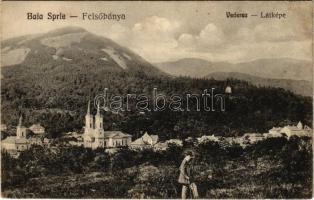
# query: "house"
253, 137
146, 141
176, 142
3, 127
35, 141
161, 146
74, 138
47, 142
72, 135
297, 130
274, 132
37, 129
240, 141
291, 130
308, 130
95, 137
206, 138
75, 143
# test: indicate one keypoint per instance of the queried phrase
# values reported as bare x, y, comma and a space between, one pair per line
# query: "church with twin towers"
96, 137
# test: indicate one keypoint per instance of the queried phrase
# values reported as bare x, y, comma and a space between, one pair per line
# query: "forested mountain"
50, 77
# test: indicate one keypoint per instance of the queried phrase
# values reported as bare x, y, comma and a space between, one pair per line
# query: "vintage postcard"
156, 99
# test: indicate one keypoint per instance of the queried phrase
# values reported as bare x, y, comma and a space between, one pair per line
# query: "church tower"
228, 90
300, 125
20, 130
98, 120
89, 124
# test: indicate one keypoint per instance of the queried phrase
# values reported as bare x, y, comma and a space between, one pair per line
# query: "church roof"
146, 136
116, 134
253, 135
14, 140
21, 140
293, 128
138, 141
143, 140
35, 139
161, 145
307, 127
10, 139
154, 138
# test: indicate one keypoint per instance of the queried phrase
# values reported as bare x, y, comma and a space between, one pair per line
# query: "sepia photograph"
156, 99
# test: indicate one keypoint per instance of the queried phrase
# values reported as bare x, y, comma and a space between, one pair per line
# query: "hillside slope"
71, 46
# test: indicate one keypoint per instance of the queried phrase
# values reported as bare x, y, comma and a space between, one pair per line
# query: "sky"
168, 31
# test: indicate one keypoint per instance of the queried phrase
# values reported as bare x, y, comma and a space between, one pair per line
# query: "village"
94, 136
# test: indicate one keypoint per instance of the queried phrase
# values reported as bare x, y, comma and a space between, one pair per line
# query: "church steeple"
20, 130
88, 108
20, 121
89, 122
98, 110
98, 119
300, 125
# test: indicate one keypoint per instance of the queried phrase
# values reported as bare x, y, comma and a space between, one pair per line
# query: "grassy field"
254, 173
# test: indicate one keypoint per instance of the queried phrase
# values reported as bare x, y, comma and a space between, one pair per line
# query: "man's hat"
190, 153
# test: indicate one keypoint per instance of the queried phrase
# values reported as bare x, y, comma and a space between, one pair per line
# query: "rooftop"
36, 126
116, 134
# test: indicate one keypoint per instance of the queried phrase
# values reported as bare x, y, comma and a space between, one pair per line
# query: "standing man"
186, 175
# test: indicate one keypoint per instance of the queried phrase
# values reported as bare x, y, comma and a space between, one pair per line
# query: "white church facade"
22, 141
95, 137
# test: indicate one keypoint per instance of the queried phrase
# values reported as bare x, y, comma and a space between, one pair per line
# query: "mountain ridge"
261, 72
277, 68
